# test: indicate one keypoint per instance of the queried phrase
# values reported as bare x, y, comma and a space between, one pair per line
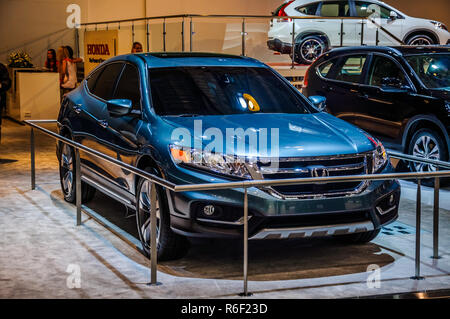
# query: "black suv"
399, 94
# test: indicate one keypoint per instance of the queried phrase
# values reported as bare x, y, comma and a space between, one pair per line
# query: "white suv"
385, 26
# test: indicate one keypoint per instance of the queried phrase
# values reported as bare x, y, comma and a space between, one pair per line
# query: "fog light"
391, 200
208, 210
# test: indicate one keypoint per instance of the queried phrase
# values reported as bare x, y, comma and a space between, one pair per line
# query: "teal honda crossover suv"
206, 118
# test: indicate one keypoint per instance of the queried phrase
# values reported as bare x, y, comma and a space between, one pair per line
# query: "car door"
126, 127
379, 15
342, 86
98, 135
386, 96
332, 27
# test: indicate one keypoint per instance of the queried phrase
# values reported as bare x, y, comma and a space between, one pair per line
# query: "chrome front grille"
356, 164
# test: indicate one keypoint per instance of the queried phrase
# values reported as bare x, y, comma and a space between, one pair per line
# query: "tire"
67, 171
429, 144
360, 238
309, 49
170, 245
420, 39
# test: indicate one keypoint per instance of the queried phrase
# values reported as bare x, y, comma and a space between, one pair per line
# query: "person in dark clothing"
5, 84
50, 63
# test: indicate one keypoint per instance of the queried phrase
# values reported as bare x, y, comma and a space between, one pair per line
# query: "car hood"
299, 135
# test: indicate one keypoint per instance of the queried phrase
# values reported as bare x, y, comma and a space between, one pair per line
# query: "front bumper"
279, 46
272, 218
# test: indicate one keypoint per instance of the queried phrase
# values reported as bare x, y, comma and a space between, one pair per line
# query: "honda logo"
319, 172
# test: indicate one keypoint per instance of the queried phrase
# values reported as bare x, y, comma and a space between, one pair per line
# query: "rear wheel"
309, 49
67, 171
169, 245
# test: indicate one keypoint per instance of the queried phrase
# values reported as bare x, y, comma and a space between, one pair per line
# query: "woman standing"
69, 70
50, 63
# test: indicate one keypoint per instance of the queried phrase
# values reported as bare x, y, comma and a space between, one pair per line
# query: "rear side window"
310, 9
128, 86
352, 69
335, 9
107, 80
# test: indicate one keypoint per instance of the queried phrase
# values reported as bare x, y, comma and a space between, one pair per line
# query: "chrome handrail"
245, 185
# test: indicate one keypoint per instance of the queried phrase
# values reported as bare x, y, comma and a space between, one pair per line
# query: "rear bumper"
279, 46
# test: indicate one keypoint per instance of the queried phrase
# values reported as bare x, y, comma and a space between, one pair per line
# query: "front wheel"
67, 173
169, 245
309, 49
420, 39
428, 144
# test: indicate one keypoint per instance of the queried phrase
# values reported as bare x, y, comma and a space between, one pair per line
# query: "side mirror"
320, 102
393, 15
119, 107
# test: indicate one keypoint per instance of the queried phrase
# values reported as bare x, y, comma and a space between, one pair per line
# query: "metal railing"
245, 185
342, 34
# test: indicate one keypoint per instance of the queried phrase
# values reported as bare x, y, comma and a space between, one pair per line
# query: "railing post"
243, 36
293, 44
164, 35
418, 222
153, 243
436, 218
377, 37
245, 270
362, 32
33, 160
78, 194
342, 32
191, 33
132, 31
148, 35
182, 35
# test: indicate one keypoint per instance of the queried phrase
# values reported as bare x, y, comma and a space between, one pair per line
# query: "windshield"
432, 69
190, 91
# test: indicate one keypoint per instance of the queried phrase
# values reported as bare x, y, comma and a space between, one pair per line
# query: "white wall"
35, 26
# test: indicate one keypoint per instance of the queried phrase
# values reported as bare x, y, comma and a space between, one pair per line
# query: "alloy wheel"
67, 169
420, 41
426, 147
144, 216
311, 49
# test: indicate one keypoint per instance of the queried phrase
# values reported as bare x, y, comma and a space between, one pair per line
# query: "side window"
106, 81
310, 9
365, 9
324, 68
383, 67
335, 9
352, 68
92, 79
128, 86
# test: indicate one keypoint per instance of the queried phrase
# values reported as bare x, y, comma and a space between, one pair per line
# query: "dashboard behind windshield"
196, 91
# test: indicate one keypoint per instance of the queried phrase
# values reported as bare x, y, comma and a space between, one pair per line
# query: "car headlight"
214, 162
379, 157
439, 25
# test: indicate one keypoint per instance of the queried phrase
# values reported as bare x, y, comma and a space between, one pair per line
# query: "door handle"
103, 124
364, 96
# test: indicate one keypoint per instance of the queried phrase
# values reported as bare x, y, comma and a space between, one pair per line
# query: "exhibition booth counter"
34, 94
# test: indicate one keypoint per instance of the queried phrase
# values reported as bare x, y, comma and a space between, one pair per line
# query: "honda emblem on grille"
319, 172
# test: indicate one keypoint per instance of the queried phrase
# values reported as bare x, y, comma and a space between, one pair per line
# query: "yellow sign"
99, 46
